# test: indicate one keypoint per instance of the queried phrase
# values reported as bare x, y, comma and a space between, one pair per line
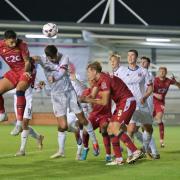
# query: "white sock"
153, 147
81, 133
61, 141
146, 140
79, 148
119, 159
18, 123
129, 152
24, 137
33, 133
72, 127
139, 136
91, 132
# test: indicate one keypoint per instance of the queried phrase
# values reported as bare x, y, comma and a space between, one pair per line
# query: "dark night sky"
154, 12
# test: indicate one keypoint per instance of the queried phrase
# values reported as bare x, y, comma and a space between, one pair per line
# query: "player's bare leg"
5, 85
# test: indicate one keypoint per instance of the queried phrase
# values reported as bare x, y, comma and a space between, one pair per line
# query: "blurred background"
92, 29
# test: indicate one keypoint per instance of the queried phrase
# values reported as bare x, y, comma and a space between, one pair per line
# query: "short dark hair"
10, 34
146, 58
51, 51
96, 66
134, 51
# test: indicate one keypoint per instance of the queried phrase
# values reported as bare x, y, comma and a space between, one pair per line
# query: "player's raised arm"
36, 59
149, 89
25, 55
174, 82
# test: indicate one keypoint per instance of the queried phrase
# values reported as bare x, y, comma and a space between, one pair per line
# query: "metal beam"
17, 10
112, 12
90, 11
134, 13
105, 12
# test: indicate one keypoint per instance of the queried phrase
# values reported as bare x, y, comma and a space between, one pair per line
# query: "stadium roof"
161, 12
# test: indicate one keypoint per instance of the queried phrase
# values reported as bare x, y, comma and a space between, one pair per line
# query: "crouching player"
99, 117
111, 87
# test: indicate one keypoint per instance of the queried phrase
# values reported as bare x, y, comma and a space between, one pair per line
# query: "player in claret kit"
161, 86
99, 118
16, 54
115, 88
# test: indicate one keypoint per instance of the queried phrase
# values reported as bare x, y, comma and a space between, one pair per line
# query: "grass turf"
37, 165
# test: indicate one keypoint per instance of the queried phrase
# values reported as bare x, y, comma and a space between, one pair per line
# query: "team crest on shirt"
103, 85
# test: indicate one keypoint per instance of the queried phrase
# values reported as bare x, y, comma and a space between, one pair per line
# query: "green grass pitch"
37, 165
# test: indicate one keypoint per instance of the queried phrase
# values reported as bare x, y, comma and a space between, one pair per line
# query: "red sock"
116, 146
127, 141
2, 110
161, 130
107, 144
21, 104
86, 140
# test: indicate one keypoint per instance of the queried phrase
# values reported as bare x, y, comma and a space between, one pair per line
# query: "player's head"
145, 62
115, 59
72, 68
93, 70
132, 56
10, 38
162, 72
52, 53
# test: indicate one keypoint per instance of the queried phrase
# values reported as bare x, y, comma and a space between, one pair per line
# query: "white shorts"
28, 108
141, 116
62, 101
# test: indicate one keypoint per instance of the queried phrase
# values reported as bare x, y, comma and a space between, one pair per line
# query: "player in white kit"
63, 95
79, 86
27, 117
154, 154
135, 78
23, 126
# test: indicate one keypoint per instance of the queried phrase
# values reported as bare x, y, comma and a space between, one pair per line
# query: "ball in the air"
50, 30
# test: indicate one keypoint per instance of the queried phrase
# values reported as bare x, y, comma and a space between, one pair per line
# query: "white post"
134, 13
90, 11
112, 12
17, 10
105, 12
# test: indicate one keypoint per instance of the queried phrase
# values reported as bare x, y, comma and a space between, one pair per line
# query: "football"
50, 30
